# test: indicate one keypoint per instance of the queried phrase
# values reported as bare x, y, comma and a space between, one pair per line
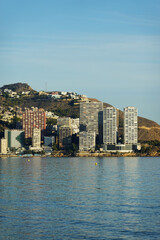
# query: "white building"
15, 138
109, 125
36, 138
75, 125
87, 141
3, 146
130, 125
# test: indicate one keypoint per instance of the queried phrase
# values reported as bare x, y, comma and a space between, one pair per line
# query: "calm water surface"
72, 198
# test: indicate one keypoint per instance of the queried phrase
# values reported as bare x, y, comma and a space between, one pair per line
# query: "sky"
105, 49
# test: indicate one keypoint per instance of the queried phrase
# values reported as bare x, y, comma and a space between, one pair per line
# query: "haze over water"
72, 198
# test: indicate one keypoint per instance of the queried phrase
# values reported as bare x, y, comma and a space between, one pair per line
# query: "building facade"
65, 137
48, 141
91, 117
75, 125
110, 125
87, 141
15, 138
3, 146
35, 118
36, 138
130, 125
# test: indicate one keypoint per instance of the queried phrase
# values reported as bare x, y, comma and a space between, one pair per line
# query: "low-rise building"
3, 146
48, 141
121, 147
15, 138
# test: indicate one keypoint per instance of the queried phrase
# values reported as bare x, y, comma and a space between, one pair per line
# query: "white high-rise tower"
110, 125
130, 125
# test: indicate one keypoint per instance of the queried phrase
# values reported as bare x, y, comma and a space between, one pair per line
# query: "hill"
17, 87
148, 129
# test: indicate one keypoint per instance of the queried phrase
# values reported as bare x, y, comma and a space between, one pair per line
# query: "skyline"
103, 49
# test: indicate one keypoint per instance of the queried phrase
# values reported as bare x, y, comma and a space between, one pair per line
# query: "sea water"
80, 198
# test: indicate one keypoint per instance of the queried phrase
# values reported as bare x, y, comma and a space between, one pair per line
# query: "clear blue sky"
106, 49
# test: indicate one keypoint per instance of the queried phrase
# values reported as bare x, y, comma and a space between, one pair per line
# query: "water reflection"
66, 198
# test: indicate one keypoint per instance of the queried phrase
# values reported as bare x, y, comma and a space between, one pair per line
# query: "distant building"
87, 141
35, 118
48, 141
15, 138
3, 146
109, 125
70, 122
130, 125
65, 136
91, 117
121, 147
36, 138
63, 121
75, 125
84, 98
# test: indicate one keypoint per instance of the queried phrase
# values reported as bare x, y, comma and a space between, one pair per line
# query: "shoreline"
85, 154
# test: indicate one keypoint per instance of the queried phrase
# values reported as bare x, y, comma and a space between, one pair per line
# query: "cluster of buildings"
65, 95
10, 93
96, 126
100, 125
53, 94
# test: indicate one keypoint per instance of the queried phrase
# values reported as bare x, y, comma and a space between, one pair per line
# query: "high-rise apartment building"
87, 141
130, 125
91, 117
110, 125
35, 118
65, 136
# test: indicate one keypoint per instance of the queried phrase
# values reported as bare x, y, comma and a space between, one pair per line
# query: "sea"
80, 198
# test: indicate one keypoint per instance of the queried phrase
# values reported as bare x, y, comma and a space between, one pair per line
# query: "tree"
54, 147
51, 121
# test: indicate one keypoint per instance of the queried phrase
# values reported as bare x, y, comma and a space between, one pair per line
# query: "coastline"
86, 154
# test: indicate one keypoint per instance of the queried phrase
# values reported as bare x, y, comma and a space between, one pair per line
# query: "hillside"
148, 129
17, 87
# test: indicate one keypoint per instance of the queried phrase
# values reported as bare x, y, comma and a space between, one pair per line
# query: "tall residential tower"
110, 125
91, 116
91, 125
130, 125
